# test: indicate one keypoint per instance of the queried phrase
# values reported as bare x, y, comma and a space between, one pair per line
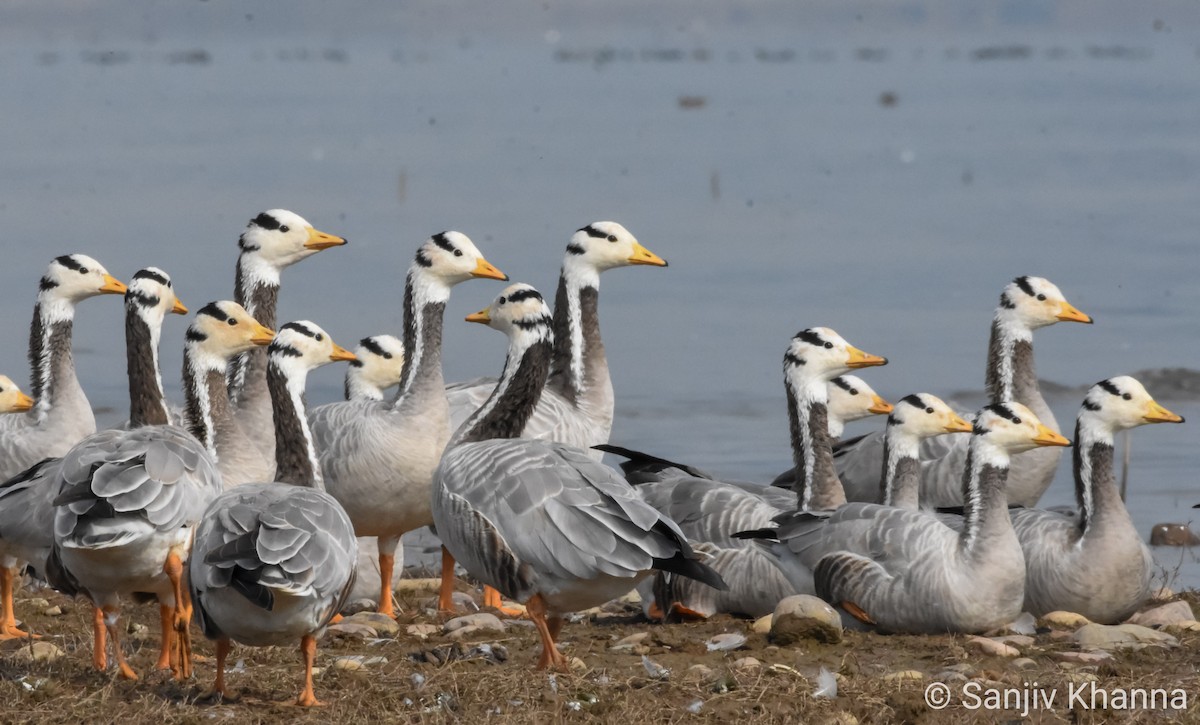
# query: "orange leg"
551, 657
99, 640
181, 661
111, 618
491, 598
218, 690
8, 620
308, 648
446, 592
166, 617
386, 562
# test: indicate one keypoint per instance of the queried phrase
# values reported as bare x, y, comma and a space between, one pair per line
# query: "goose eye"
232, 322
854, 391
612, 237
829, 346
458, 252
501, 301
1127, 396
387, 356
1041, 298
929, 410
1017, 421
83, 270
320, 337
284, 228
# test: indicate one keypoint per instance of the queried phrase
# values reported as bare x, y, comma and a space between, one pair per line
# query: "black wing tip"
768, 534
693, 569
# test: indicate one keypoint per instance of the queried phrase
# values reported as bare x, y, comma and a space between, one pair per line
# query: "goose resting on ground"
1095, 564
378, 460
62, 415
1027, 304
273, 241
915, 418
543, 522
274, 562
906, 571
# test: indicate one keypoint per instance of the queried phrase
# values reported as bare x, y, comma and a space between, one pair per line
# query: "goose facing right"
378, 365
542, 522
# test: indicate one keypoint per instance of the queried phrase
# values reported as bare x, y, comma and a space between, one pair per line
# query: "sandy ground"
439, 679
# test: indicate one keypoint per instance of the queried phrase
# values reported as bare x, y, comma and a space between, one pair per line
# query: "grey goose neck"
147, 403
1010, 370
576, 327
421, 377
1095, 485
260, 298
510, 405
816, 485
985, 503
51, 363
206, 401
901, 477
294, 453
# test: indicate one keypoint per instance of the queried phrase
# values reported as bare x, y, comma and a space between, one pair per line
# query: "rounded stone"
805, 617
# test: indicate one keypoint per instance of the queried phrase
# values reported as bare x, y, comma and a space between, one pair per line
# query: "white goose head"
851, 399
152, 295
923, 415
72, 278
12, 400
818, 354
451, 258
1028, 303
1013, 428
604, 245
519, 312
379, 363
1120, 403
278, 238
222, 330
299, 347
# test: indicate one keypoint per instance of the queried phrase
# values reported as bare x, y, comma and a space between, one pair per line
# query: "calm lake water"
880, 170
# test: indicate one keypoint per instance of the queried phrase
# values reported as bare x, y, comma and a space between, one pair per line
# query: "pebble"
762, 625
631, 640
358, 605
1016, 640
904, 675
1024, 663
36, 603
54, 611
381, 623
1079, 678
962, 667
992, 647
464, 632
949, 676
805, 617
39, 652
746, 664
1173, 535
1104, 636
1162, 594
1185, 626
480, 620
357, 662
698, 673
1164, 615
422, 630
1083, 658
346, 629
578, 665
1066, 620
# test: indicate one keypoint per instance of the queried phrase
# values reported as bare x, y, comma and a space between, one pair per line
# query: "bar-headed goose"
851, 399
916, 418
129, 500
272, 241
62, 415
543, 522
1027, 304
12, 400
273, 562
378, 459
906, 571
1095, 564
577, 406
378, 365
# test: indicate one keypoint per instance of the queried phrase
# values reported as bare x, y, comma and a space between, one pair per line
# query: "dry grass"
616, 688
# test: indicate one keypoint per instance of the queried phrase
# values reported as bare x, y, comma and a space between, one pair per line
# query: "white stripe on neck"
1012, 330
983, 453
578, 276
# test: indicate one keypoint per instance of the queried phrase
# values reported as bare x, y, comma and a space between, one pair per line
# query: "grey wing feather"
27, 510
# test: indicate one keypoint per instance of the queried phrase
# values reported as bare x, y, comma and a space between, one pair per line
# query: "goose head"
1121, 403
604, 245
379, 361
851, 399
519, 312
1033, 302
72, 278
451, 258
302, 346
923, 415
12, 400
1014, 428
818, 354
152, 296
278, 238
222, 330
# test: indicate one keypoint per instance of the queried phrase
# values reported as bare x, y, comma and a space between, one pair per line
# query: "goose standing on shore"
1095, 564
543, 522
274, 562
62, 415
577, 406
1027, 304
906, 571
129, 500
12, 400
378, 460
273, 241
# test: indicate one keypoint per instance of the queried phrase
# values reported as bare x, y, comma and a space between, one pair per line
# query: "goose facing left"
129, 500
62, 416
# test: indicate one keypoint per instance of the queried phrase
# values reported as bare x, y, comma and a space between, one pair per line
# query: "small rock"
962, 667
39, 652
1185, 626
1083, 658
1016, 640
903, 675
36, 603
1079, 678
578, 665
1173, 535
1023, 663
631, 640
1119, 636
1065, 620
381, 623
746, 664
992, 647
349, 664
358, 605
1162, 594
805, 617
949, 676
762, 625
841, 717
479, 620
1059, 635
698, 673
422, 630
346, 629
462, 633
1165, 615
54, 611
631, 598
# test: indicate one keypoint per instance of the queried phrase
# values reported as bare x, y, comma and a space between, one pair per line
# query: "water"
880, 170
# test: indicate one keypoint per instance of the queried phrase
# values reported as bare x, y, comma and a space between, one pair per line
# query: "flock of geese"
241, 511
